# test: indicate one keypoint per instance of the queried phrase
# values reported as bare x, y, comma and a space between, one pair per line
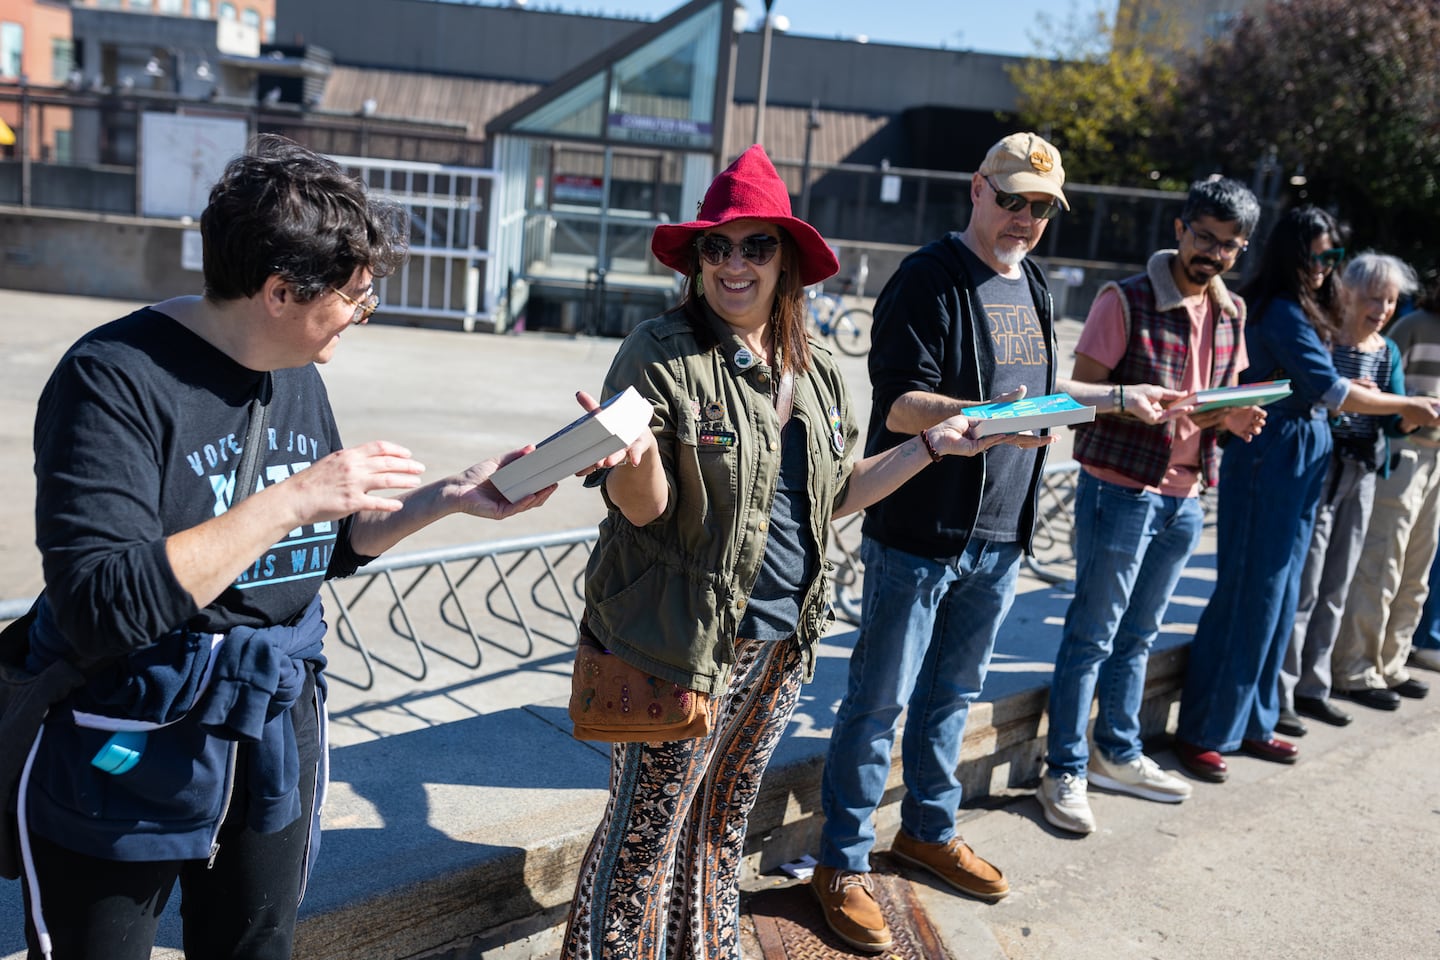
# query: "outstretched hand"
1151, 403
1425, 413
956, 437
632, 454
345, 481
1245, 422
473, 493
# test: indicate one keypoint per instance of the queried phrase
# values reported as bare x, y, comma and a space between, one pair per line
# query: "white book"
617, 423
1031, 413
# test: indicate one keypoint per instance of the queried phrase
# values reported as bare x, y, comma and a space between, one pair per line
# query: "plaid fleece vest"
1158, 346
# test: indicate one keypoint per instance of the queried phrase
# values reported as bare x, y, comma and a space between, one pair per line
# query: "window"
201, 9
269, 35
227, 11
62, 59
662, 94
250, 18
141, 5
12, 49
173, 8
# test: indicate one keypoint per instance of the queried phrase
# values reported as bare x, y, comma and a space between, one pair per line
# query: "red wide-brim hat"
748, 189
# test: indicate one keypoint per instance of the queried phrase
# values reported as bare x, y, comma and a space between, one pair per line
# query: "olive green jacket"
667, 597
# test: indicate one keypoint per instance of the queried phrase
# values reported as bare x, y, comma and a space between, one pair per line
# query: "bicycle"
849, 327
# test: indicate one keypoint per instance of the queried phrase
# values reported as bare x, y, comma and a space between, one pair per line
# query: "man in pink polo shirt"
1137, 513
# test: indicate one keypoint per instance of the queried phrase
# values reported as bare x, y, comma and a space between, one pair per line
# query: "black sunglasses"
759, 249
1014, 202
1329, 259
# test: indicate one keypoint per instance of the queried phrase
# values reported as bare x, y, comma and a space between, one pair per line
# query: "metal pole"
764, 76
811, 125
24, 136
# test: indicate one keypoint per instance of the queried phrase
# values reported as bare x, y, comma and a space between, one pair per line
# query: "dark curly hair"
282, 209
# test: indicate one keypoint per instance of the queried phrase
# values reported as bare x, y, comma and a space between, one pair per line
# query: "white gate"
450, 275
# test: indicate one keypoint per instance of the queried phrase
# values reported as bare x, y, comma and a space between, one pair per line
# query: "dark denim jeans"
1427, 635
926, 635
1269, 489
1130, 549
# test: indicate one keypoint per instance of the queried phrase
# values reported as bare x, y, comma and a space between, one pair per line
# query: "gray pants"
1340, 524
1390, 587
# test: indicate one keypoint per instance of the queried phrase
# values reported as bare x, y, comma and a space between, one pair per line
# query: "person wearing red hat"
708, 571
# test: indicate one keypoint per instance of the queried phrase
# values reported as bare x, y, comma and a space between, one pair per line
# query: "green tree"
1343, 94
1093, 86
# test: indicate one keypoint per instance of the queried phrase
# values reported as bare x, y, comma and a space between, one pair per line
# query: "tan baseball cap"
1026, 163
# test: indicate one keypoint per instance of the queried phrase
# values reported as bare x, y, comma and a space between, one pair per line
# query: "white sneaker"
1141, 777
1425, 657
1064, 803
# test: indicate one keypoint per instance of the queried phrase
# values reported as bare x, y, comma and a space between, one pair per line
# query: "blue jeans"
1130, 549
926, 634
1269, 490
1427, 634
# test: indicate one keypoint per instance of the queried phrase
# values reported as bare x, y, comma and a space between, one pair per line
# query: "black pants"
242, 907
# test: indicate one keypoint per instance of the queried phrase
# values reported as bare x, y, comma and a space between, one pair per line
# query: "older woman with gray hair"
1369, 290
1389, 589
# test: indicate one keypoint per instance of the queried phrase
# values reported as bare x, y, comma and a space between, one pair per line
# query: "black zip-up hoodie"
931, 334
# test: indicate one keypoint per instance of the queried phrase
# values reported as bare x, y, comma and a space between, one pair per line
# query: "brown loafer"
1202, 763
955, 863
848, 905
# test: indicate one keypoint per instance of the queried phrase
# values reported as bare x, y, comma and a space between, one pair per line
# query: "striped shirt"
1356, 364
1418, 337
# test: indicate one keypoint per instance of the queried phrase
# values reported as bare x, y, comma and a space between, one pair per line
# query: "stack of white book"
616, 424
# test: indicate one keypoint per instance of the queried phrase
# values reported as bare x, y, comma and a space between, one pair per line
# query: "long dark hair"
787, 314
1286, 255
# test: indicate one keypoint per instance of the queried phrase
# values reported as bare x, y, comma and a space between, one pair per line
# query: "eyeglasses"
1328, 259
1014, 202
1209, 243
759, 249
364, 309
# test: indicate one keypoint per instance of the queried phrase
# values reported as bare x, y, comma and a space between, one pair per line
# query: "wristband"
935, 455
1122, 398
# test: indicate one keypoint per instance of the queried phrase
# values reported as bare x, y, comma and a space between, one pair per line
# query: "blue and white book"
1031, 413
1246, 395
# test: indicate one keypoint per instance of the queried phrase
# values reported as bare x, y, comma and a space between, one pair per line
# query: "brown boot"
955, 863
850, 909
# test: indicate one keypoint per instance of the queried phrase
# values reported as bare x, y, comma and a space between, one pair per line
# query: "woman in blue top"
1371, 287
1269, 489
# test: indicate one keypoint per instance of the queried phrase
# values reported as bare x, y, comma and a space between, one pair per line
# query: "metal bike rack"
510, 594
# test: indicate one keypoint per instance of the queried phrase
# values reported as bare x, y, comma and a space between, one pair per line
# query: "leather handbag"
614, 702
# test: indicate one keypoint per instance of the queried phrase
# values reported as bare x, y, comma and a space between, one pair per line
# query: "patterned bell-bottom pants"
661, 878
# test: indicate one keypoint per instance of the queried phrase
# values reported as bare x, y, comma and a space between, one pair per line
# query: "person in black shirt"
965, 320
193, 607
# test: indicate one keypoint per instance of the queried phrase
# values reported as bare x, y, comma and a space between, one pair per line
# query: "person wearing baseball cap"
966, 319
708, 568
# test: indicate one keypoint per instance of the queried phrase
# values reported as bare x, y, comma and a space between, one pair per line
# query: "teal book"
1031, 413
1246, 395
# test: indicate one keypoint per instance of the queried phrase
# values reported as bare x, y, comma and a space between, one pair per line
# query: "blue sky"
994, 26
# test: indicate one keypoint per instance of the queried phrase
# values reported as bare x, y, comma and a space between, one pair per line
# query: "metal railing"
401, 611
